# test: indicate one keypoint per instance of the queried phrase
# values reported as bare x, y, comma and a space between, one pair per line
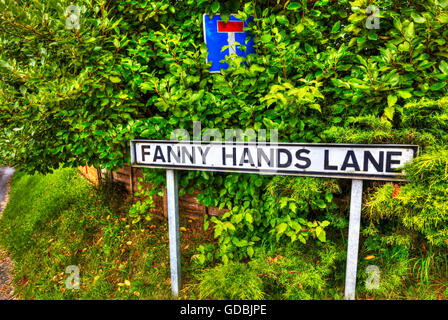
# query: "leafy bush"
287, 212
421, 206
292, 275
138, 69
232, 281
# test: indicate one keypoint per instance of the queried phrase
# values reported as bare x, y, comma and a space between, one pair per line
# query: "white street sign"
352, 161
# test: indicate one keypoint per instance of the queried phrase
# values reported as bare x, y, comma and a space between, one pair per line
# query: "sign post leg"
353, 239
173, 230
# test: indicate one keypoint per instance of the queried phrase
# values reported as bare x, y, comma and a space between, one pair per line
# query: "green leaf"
294, 6
320, 233
308, 48
391, 100
299, 28
282, 20
336, 27
250, 251
417, 18
410, 32
443, 18
225, 17
256, 68
293, 206
437, 86
404, 94
215, 6
321, 204
115, 79
443, 66
266, 38
281, 227
389, 112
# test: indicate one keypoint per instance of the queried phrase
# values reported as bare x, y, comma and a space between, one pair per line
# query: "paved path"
6, 265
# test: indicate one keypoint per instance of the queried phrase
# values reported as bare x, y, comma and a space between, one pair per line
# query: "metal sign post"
357, 162
353, 239
173, 230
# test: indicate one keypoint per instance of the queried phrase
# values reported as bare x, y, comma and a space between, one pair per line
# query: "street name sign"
352, 161
357, 162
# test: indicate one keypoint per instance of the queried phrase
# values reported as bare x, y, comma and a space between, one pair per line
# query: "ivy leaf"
293, 206
308, 48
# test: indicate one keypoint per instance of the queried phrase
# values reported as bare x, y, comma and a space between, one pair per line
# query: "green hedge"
137, 69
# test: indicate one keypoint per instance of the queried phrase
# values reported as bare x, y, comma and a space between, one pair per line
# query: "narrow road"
5, 174
6, 265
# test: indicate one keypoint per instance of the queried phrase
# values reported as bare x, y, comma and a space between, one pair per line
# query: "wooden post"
132, 182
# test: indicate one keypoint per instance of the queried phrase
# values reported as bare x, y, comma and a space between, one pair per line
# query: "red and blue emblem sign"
218, 33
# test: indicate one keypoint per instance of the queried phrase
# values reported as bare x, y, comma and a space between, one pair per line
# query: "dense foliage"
137, 69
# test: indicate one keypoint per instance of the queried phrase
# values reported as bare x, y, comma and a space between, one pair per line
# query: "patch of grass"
58, 220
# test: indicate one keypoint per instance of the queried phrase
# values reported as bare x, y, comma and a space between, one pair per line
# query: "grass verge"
59, 220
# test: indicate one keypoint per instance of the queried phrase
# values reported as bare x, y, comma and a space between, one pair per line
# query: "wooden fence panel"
128, 176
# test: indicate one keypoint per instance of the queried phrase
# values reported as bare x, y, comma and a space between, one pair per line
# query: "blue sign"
218, 34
